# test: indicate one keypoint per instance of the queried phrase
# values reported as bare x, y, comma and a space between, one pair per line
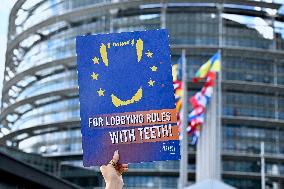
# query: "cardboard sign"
126, 97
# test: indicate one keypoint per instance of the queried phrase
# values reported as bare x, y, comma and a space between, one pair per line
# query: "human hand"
112, 172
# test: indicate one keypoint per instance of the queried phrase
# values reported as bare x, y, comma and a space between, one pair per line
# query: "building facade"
40, 107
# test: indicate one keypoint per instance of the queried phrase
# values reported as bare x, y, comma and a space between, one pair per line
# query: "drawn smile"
135, 98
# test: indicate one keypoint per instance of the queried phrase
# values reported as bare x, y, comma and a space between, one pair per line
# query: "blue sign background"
123, 76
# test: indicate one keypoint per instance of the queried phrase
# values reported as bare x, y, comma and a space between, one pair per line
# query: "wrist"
114, 184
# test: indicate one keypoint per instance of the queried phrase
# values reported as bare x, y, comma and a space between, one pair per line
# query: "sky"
5, 7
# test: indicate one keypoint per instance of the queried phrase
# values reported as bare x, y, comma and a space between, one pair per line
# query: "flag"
213, 65
178, 87
195, 113
195, 136
207, 92
177, 70
195, 119
178, 94
202, 98
174, 72
210, 80
199, 99
202, 71
177, 84
179, 105
216, 62
194, 133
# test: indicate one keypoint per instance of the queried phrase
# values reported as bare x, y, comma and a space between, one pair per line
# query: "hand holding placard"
112, 172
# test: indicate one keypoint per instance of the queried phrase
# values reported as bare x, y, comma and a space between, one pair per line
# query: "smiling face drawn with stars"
125, 75
105, 50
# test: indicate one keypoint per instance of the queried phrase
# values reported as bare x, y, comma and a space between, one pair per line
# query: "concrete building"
40, 109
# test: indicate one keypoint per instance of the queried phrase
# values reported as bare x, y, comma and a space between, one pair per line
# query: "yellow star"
149, 54
154, 68
101, 92
95, 76
151, 83
96, 60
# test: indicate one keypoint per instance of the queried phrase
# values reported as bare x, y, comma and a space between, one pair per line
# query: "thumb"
115, 157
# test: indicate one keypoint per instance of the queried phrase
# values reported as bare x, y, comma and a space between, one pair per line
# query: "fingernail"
116, 151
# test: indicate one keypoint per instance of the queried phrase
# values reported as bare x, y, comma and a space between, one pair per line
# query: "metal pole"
208, 154
219, 121
112, 13
219, 112
208, 146
110, 23
220, 24
184, 138
262, 165
274, 40
163, 14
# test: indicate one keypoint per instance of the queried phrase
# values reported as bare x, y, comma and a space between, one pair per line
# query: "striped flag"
213, 64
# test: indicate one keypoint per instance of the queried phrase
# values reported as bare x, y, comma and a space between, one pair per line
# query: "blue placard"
126, 97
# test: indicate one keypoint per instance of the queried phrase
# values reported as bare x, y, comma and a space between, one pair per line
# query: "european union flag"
126, 97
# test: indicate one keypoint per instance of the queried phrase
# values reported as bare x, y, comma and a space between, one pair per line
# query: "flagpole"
219, 121
163, 14
262, 165
184, 144
208, 153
